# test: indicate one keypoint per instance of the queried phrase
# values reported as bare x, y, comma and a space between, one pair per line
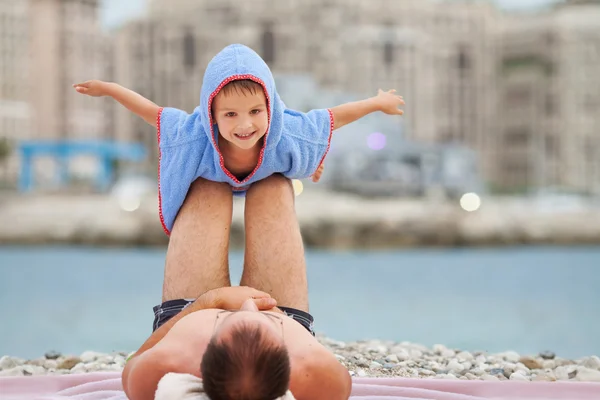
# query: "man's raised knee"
273, 182
204, 186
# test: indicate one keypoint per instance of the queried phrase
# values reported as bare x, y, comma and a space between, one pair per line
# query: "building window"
464, 62
268, 44
388, 53
189, 50
517, 137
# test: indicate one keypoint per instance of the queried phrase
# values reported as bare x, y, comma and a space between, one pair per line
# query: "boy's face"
242, 117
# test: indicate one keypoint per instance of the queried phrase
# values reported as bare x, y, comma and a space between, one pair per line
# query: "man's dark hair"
246, 365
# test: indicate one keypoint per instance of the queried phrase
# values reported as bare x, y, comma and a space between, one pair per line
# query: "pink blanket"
107, 386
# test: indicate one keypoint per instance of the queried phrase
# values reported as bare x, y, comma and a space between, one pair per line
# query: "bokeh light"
130, 203
376, 141
298, 187
470, 202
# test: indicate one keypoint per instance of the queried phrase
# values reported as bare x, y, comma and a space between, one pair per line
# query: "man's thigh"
274, 256
197, 255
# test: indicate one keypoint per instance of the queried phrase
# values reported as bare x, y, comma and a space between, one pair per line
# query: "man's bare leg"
197, 257
274, 259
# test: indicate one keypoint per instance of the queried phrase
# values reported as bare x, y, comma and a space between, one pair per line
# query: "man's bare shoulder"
195, 326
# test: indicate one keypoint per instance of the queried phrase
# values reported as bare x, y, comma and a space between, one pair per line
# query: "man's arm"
131, 100
386, 102
322, 377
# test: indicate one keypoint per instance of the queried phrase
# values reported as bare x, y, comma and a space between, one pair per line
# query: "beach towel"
107, 386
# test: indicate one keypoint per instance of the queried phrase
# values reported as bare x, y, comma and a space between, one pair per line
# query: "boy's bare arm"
131, 100
386, 102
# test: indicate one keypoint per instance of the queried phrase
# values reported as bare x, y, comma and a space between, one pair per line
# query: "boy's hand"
92, 88
317, 175
388, 102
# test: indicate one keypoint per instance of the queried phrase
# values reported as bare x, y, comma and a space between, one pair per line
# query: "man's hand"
94, 88
232, 297
388, 102
317, 175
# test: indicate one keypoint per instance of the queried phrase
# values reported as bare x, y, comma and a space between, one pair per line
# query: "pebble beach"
365, 359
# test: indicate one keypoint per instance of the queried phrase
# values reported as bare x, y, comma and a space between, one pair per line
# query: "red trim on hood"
160, 212
212, 133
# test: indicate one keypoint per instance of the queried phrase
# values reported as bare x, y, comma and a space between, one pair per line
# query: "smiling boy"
241, 132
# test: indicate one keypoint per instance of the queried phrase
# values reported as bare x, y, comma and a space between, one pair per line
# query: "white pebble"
393, 358
361, 372
79, 369
439, 348
7, 362
455, 366
518, 376
465, 356
375, 365
548, 364
416, 354
90, 356
511, 356
592, 362
562, 373
490, 378
588, 375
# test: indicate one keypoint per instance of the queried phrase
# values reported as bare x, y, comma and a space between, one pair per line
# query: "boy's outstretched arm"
386, 102
131, 100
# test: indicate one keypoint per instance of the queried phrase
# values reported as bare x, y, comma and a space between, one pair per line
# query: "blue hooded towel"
295, 144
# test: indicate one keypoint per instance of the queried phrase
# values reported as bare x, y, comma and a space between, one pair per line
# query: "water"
527, 300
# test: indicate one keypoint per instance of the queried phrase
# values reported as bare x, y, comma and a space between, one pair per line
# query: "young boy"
241, 132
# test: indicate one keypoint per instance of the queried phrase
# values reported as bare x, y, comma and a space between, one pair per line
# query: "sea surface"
528, 300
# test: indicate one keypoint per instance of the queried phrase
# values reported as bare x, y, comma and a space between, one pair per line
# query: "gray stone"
547, 355
52, 355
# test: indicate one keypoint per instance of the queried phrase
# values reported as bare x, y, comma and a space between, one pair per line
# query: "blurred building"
549, 99
520, 92
45, 47
15, 106
437, 57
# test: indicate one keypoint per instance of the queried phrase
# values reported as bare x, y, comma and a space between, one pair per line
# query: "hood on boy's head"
237, 62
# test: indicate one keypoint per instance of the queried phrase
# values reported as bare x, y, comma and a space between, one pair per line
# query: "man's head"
246, 358
241, 112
